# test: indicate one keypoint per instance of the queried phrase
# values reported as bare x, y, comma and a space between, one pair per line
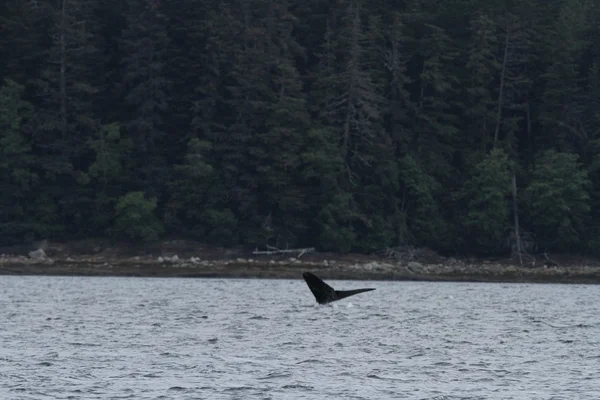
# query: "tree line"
460, 125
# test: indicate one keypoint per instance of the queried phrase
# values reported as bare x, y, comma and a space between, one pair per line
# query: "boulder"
38, 255
414, 264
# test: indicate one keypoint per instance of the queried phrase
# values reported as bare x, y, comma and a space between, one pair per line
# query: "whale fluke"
325, 293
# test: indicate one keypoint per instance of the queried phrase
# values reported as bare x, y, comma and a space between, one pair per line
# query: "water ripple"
99, 338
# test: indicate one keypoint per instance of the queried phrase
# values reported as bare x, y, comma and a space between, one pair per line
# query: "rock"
271, 261
325, 263
240, 260
38, 255
69, 259
414, 264
175, 258
292, 259
160, 259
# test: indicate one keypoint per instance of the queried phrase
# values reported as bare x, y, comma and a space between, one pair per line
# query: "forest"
464, 126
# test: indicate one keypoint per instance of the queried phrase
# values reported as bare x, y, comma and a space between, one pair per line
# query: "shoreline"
194, 260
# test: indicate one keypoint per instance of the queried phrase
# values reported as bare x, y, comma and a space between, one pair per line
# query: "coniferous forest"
348, 125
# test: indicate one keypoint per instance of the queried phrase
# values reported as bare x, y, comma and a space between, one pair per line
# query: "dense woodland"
341, 124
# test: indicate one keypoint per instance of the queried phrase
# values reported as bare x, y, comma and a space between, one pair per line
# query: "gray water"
115, 338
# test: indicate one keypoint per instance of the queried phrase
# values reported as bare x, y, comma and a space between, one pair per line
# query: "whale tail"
326, 294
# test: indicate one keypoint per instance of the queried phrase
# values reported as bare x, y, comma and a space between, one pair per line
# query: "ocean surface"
151, 338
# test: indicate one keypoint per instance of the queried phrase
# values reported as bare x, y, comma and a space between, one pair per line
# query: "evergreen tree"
435, 122
24, 35
145, 94
397, 96
65, 116
484, 70
487, 213
563, 101
418, 202
557, 200
18, 178
188, 191
348, 125
107, 175
349, 99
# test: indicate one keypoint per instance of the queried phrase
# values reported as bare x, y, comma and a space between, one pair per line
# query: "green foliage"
18, 178
558, 200
188, 191
110, 149
486, 197
563, 75
15, 151
220, 226
145, 88
335, 221
418, 202
349, 126
135, 218
484, 68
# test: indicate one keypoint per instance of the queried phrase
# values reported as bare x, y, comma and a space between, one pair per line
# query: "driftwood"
548, 262
274, 250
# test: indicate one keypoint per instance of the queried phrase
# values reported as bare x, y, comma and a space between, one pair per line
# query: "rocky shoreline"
188, 259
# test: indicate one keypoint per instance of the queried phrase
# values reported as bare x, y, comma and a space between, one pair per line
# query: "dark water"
117, 338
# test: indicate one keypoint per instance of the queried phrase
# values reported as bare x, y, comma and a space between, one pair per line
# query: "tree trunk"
502, 79
516, 214
63, 69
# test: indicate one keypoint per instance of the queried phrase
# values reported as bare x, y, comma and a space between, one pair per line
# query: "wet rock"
38, 255
414, 265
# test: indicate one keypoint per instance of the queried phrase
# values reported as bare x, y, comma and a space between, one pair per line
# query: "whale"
324, 293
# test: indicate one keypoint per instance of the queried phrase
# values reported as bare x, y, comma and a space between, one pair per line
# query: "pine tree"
23, 37
486, 194
400, 106
558, 201
350, 99
65, 117
18, 178
484, 70
195, 29
435, 123
563, 101
145, 88
107, 173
